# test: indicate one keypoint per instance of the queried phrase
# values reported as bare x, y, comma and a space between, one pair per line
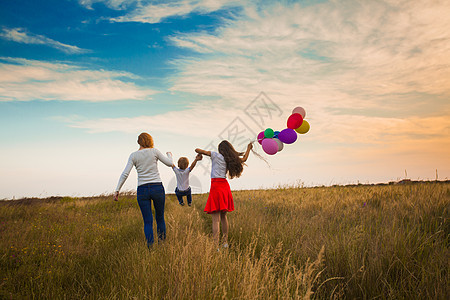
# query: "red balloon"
295, 121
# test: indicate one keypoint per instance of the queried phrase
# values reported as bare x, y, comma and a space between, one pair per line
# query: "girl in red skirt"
220, 200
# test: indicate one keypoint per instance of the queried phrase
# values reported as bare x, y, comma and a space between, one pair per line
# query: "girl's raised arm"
204, 152
197, 158
249, 147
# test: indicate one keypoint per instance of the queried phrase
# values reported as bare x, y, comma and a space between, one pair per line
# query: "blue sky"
79, 80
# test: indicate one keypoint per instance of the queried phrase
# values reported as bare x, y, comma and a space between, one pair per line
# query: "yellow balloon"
304, 128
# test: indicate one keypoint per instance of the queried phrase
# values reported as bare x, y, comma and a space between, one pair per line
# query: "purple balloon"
287, 136
270, 146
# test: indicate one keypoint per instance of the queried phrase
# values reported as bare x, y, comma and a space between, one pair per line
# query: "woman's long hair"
232, 159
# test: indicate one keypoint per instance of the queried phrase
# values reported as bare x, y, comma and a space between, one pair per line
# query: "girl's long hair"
232, 159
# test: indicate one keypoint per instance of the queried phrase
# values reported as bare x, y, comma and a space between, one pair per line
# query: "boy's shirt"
182, 178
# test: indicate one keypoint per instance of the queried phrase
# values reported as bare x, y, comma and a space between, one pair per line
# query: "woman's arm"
197, 158
167, 160
249, 147
123, 177
169, 155
204, 152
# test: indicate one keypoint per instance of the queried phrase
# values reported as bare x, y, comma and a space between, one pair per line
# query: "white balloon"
280, 144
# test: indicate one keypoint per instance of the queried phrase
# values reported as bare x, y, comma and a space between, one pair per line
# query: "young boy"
182, 174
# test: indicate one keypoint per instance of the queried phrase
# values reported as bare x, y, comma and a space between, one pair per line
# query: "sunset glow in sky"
80, 79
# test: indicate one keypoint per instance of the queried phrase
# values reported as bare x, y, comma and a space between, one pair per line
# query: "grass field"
359, 242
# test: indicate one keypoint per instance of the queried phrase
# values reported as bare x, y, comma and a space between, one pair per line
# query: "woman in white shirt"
149, 185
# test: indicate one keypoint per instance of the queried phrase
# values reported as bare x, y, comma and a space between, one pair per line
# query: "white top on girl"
182, 178
145, 161
219, 166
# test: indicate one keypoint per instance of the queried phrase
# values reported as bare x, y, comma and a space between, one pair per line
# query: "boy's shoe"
189, 204
182, 203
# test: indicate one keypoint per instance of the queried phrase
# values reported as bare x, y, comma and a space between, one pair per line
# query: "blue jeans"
145, 194
186, 193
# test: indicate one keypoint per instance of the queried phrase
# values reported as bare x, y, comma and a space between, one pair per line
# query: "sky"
81, 79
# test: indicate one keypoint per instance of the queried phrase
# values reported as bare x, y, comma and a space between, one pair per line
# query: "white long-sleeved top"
145, 161
219, 166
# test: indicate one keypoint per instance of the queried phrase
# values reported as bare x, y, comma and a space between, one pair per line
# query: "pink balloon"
270, 146
287, 136
299, 110
260, 137
295, 121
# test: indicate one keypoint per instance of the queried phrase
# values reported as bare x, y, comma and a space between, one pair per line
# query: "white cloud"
115, 4
24, 80
20, 35
359, 49
340, 60
194, 122
151, 12
329, 57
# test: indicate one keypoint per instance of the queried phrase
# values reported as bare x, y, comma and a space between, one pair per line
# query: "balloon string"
259, 155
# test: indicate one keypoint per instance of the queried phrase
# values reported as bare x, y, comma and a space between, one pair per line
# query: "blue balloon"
275, 134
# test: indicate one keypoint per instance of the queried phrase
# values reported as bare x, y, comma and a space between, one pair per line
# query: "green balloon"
268, 133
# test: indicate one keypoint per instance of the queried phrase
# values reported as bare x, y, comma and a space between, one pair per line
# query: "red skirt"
220, 198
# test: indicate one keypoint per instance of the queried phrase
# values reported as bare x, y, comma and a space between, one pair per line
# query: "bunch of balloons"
273, 141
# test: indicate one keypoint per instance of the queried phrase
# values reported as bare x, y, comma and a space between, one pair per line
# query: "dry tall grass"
365, 242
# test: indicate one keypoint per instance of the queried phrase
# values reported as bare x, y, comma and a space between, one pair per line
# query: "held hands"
199, 157
116, 196
169, 154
